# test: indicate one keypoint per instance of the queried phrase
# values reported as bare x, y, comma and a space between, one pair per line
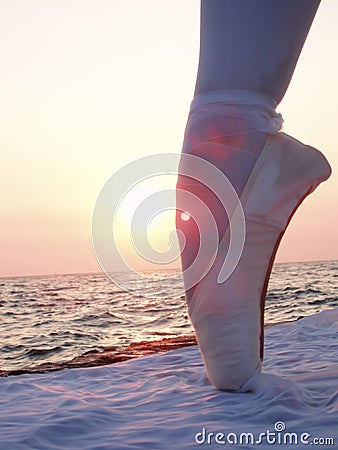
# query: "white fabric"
229, 129
163, 401
255, 108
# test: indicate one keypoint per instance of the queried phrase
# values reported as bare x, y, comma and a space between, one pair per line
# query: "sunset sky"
89, 86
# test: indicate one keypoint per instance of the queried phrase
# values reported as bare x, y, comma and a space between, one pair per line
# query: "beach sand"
165, 401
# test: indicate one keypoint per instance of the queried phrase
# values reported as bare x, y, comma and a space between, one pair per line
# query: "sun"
154, 227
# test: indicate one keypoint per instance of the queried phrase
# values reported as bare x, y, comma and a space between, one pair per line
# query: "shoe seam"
264, 222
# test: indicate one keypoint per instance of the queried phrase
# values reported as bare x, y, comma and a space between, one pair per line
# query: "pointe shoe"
228, 317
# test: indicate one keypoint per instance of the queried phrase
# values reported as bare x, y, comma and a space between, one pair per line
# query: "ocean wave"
56, 318
42, 352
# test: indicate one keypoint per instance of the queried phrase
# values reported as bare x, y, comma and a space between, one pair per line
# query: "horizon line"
143, 270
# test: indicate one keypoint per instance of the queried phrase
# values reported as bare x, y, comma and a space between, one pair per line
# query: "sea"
55, 318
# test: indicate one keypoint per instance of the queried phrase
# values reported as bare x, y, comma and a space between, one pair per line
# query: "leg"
248, 53
252, 45
246, 46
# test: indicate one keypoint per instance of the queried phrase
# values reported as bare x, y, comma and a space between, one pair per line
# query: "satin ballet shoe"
228, 316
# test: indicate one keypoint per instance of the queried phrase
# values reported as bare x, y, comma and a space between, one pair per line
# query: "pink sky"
92, 86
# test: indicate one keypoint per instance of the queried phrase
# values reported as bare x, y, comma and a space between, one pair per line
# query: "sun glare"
185, 216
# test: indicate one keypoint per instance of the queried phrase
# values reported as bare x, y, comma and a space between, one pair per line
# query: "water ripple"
56, 318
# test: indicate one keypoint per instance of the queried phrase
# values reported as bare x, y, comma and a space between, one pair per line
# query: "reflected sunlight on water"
55, 318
